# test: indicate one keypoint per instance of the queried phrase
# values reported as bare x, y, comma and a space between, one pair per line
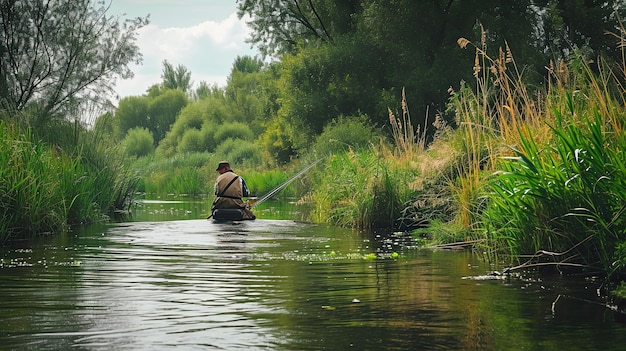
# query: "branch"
541, 253
320, 21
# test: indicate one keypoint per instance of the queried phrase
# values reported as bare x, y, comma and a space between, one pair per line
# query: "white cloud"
206, 49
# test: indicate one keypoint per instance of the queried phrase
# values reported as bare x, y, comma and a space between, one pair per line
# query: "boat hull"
230, 214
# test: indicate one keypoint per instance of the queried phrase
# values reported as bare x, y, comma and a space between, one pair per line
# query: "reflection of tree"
416, 302
39, 292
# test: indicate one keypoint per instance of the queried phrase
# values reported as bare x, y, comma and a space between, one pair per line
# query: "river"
170, 281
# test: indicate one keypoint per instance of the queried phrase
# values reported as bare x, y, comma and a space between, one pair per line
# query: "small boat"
229, 214
236, 214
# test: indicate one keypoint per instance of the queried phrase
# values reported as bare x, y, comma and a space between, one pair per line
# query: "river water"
192, 284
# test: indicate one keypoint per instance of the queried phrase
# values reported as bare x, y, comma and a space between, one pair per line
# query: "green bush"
361, 190
347, 133
240, 152
234, 130
192, 141
138, 142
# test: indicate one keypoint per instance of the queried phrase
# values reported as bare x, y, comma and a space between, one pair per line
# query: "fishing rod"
284, 184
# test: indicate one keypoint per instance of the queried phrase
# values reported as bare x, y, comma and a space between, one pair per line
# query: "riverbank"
47, 186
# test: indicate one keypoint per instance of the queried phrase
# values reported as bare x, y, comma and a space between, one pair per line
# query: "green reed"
44, 188
565, 199
188, 174
261, 183
29, 196
361, 190
555, 156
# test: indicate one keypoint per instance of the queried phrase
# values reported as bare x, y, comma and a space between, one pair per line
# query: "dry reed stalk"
404, 134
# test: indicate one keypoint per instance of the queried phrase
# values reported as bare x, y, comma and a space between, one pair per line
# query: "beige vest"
231, 198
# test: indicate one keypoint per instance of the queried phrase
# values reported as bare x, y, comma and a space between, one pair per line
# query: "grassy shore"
45, 188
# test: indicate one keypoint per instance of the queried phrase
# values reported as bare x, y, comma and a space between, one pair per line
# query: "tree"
176, 78
353, 57
55, 53
580, 24
154, 112
247, 64
131, 112
279, 26
163, 110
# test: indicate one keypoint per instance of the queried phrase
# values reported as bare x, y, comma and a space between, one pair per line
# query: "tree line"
325, 60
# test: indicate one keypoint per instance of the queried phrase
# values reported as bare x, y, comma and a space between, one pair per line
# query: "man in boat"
229, 189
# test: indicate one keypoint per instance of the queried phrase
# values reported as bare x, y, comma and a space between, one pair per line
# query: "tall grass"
45, 188
194, 174
408, 140
30, 197
362, 190
544, 174
185, 174
566, 199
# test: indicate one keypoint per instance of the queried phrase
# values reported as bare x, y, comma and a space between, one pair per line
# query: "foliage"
276, 142
234, 130
192, 173
361, 190
319, 84
346, 133
239, 151
162, 111
556, 189
43, 189
353, 57
278, 26
156, 112
247, 64
571, 195
200, 115
176, 78
52, 55
138, 142
192, 141
131, 112
261, 183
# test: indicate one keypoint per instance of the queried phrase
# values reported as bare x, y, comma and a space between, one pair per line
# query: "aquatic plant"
558, 187
361, 190
567, 198
44, 188
191, 174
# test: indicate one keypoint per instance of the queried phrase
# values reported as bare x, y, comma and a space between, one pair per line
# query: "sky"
205, 36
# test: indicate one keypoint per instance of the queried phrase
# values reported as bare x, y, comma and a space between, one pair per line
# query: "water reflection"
279, 285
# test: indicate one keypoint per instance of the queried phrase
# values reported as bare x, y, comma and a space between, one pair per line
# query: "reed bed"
544, 173
44, 189
362, 189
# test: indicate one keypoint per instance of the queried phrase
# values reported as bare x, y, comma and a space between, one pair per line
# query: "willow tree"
56, 54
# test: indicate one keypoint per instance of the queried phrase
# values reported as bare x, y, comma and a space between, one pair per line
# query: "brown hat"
222, 165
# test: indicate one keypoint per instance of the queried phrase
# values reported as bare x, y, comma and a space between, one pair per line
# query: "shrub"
238, 151
138, 142
233, 130
192, 141
347, 133
362, 190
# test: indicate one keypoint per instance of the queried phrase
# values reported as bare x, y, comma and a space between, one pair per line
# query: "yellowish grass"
409, 141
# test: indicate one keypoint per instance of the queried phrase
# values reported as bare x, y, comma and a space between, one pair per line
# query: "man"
229, 189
